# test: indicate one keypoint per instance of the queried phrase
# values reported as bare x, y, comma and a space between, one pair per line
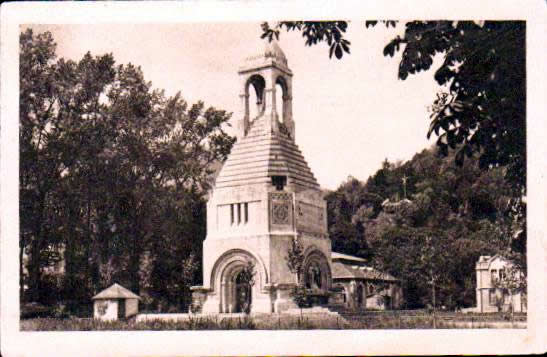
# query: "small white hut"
115, 302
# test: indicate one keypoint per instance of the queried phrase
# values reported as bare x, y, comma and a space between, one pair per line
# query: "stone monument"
264, 196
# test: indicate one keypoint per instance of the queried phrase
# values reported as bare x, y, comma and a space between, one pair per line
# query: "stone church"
264, 197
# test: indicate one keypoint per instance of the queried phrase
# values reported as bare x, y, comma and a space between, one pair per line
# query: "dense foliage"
427, 221
112, 179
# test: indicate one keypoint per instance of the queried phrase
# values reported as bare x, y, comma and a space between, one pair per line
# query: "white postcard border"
315, 342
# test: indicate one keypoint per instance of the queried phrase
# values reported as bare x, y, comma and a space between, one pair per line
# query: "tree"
348, 208
113, 176
295, 259
483, 110
247, 278
433, 260
510, 283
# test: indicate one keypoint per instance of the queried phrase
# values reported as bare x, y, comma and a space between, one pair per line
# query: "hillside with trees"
427, 221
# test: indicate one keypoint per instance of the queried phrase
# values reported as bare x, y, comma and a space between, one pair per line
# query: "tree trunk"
134, 258
70, 278
87, 249
35, 260
434, 302
21, 270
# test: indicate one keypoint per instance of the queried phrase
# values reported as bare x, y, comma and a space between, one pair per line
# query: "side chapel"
264, 197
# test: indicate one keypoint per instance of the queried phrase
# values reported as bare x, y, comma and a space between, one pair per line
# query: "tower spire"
265, 74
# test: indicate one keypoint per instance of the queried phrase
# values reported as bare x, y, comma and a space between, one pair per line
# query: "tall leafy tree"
113, 176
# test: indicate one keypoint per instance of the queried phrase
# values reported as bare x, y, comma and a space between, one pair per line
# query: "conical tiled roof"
116, 291
262, 154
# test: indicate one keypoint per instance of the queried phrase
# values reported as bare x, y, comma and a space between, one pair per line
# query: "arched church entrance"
238, 286
238, 276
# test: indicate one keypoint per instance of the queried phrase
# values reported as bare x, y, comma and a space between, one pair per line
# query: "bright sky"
350, 114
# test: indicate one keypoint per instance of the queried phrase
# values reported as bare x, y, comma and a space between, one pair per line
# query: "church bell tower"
265, 74
264, 197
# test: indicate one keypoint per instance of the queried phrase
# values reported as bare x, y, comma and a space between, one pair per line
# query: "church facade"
264, 197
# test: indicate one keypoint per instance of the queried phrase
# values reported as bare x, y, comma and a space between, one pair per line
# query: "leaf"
389, 50
443, 74
432, 127
345, 45
338, 52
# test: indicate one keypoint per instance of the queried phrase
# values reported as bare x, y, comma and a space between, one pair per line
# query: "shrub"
299, 294
33, 310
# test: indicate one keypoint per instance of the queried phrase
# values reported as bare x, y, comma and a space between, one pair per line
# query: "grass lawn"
268, 322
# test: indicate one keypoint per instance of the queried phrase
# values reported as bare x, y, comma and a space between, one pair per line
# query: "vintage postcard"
253, 178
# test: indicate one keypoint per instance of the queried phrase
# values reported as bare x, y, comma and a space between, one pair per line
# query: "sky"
349, 114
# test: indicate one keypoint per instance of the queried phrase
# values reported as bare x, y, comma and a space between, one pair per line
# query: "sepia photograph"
272, 175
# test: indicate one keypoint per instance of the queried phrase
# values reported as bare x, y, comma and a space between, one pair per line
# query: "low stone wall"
310, 311
486, 324
164, 317
186, 316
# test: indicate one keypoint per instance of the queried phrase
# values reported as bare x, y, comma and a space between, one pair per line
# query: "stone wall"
105, 309
131, 307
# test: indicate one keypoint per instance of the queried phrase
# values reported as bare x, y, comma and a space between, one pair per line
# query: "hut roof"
116, 291
345, 271
340, 256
